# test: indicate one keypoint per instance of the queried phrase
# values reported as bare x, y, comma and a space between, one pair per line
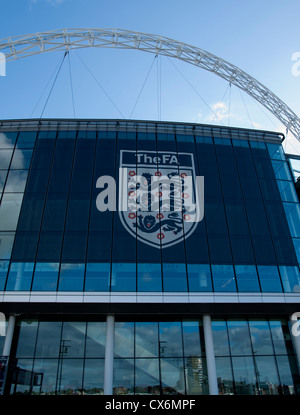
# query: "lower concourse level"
158, 354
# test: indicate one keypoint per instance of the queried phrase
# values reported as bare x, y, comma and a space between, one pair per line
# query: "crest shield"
160, 194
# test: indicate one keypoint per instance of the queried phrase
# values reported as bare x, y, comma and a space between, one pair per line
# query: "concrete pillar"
295, 334
210, 356
109, 355
9, 335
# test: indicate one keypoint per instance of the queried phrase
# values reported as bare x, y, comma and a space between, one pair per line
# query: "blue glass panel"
25, 246
97, 277
149, 277
240, 143
185, 138
3, 273
123, 277
292, 211
5, 157
290, 278
287, 191
220, 338
71, 277
247, 279
281, 170
16, 181
174, 277
20, 276
222, 141
223, 278
199, 277
276, 151
204, 140
6, 243
259, 145
47, 135
49, 249
239, 337
170, 339
74, 246
45, 276
66, 134
21, 159
269, 278
296, 243
8, 139
26, 139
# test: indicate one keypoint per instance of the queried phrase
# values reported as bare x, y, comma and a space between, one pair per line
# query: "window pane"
93, 383
292, 211
26, 139
239, 338
71, 277
146, 339
73, 339
123, 277
199, 277
9, 211
21, 159
48, 341
5, 156
124, 340
244, 375
174, 277
288, 374
6, 243
8, 139
3, 174
223, 278
220, 337
247, 279
123, 377
276, 151
269, 278
281, 337
20, 276
27, 338
97, 277
146, 376
287, 191
45, 277
170, 339
172, 377
95, 339
281, 170
224, 376
191, 338
149, 277
296, 243
16, 181
267, 375
196, 376
290, 278
21, 377
3, 273
261, 337
45, 373
70, 377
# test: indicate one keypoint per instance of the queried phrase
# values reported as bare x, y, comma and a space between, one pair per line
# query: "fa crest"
164, 197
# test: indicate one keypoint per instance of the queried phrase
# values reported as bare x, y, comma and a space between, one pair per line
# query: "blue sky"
258, 36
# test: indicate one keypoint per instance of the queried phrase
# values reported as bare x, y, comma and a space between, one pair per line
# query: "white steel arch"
22, 46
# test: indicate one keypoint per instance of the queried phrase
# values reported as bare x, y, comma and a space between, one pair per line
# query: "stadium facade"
147, 301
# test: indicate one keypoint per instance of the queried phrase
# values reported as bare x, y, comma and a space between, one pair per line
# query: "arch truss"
66, 39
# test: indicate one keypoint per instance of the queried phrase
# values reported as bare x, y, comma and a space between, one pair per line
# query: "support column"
109, 355
295, 334
9, 335
210, 356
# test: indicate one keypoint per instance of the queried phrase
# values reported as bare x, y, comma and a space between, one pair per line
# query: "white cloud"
54, 3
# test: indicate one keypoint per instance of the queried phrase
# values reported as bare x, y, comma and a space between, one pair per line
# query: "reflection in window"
220, 337
70, 377
281, 170
149, 277
261, 337
6, 243
123, 377
174, 277
267, 376
192, 345
5, 156
287, 191
27, 331
8, 139
146, 339
26, 139
290, 278
239, 338
196, 376
247, 279
9, 211
71, 277
44, 374
269, 278
276, 151
292, 211
3, 273
124, 339
223, 278
199, 277
95, 339
93, 383
97, 277
20, 276
244, 375
21, 159
123, 277
45, 276
16, 181
172, 376
73, 339
170, 339
147, 377
49, 339
224, 376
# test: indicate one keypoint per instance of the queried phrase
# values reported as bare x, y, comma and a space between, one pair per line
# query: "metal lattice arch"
66, 39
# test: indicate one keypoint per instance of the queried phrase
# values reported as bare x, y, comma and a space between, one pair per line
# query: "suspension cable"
71, 84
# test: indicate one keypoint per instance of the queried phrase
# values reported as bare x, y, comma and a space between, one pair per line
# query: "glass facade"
53, 237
